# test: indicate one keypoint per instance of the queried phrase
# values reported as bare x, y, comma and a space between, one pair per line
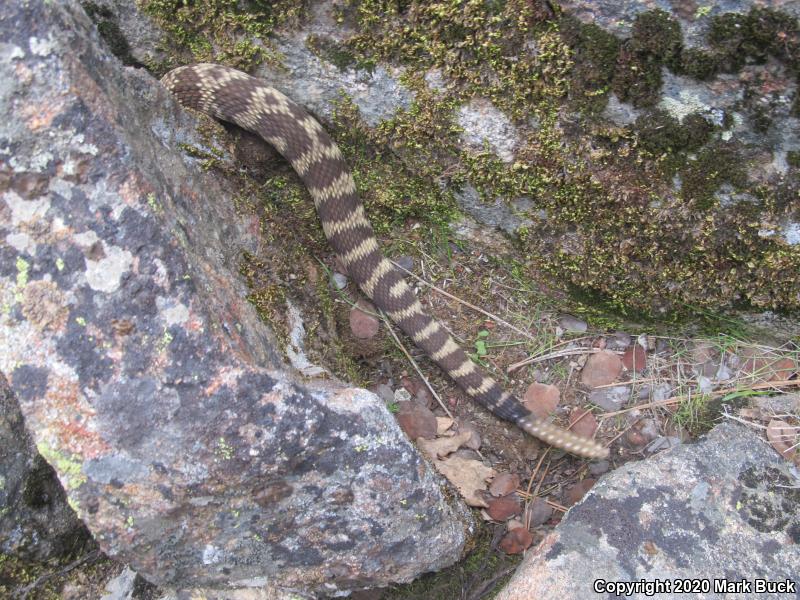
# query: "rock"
494, 214
120, 587
722, 506
339, 281
599, 467
611, 398
416, 421
504, 484
384, 392
405, 261
363, 322
36, 523
583, 422
572, 324
601, 368
649, 428
618, 341
484, 123
542, 399
504, 507
141, 371
662, 391
402, 395
635, 438
663, 442
635, 359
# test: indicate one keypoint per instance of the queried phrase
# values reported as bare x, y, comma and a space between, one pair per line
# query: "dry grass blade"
550, 355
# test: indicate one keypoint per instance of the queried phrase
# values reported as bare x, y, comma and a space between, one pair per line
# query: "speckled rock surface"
727, 506
36, 522
143, 375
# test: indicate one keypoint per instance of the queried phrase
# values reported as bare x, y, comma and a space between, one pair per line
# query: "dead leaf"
783, 437
504, 507
504, 484
441, 447
469, 477
516, 540
443, 424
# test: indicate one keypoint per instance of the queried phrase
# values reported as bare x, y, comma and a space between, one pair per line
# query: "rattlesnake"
250, 103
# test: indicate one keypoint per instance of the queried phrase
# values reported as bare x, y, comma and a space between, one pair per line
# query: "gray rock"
483, 124
573, 324
339, 281
143, 374
618, 341
622, 113
496, 213
36, 523
725, 507
662, 442
611, 398
121, 587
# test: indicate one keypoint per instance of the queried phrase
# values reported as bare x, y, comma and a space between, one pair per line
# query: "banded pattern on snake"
250, 103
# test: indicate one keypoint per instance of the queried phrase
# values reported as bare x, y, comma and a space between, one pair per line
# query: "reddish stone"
542, 399
416, 421
601, 368
635, 359
363, 324
583, 423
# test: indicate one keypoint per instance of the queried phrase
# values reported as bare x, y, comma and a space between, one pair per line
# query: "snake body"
250, 103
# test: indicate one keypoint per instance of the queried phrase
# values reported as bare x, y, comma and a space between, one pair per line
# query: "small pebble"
572, 324
339, 281
598, 467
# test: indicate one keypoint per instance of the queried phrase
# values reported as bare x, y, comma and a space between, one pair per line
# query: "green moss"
480, 47
660, 133
595, 57
697, 63
225, 31
337, 53
666, 141
715, 165
793, 158
69, 468
655, 41
637, 78
697, 131
752, 37
655, 32
615, 230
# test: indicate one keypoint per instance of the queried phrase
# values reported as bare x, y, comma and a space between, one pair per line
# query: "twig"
414, 364
557, 506
776, 385
538, 485
621, 433
728, 415
558, 354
